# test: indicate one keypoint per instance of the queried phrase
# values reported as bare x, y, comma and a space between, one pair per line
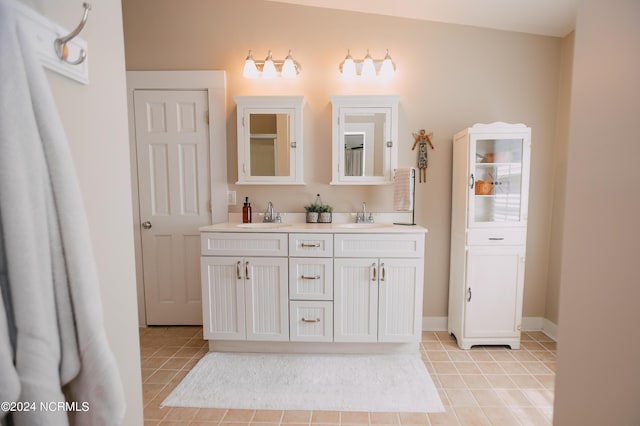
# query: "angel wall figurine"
421, 140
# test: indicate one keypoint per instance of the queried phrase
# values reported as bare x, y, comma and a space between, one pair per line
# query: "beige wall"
559, 179
598, 373
448, 77
95, 120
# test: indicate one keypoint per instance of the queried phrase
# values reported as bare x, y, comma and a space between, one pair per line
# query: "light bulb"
348, 66
368, 68
269, 69
289, 67
388, 69
250, 69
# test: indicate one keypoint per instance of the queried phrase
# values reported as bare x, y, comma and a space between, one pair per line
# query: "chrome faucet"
361, 217
270, 215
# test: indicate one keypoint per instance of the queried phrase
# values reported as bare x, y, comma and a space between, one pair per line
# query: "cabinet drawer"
243, 244
379, 245
496, 236
311, 245
311, 321
310, 278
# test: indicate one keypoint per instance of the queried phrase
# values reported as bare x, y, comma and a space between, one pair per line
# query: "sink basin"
363, 225
261, 225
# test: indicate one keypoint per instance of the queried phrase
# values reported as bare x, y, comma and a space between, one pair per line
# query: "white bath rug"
374, 383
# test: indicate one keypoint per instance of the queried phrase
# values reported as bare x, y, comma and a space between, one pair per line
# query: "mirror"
364, 135
269, 145
269, 139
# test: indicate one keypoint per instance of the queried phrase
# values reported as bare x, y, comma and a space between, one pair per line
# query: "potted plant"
325, 213
312, 212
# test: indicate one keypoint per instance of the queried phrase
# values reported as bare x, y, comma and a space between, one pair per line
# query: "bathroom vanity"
312, 287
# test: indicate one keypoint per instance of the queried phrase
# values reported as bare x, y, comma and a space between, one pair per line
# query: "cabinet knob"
146, 225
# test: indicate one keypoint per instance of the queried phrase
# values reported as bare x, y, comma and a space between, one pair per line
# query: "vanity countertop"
329, 228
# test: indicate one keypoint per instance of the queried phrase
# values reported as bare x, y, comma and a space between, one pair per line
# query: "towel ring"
60, 44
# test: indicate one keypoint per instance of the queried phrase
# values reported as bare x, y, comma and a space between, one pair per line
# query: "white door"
399, 313
266, 282
495, 280
172, 144
355, 300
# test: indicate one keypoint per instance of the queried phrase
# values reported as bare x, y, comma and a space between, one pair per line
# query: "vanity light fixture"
269, 68
368, 67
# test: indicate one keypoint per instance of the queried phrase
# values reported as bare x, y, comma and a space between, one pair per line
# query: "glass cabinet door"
496, 181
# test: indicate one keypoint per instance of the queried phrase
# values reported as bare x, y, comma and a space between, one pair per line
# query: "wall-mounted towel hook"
61, 43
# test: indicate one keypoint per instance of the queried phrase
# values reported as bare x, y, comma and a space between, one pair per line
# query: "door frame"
214, 82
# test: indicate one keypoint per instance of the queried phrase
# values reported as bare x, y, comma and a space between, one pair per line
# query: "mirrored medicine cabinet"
365, 137
270, 140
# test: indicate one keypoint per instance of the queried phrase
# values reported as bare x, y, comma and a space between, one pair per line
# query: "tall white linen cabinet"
490, 191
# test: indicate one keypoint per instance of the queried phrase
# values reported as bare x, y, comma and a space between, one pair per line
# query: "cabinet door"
498, 178
223, 300
400, 304
493, 299
355, 296
266, 297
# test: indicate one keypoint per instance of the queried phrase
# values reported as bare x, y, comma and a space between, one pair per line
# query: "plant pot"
324, 217
483, 187
312, 217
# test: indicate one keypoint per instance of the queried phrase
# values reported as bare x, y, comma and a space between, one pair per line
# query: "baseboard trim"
528, 324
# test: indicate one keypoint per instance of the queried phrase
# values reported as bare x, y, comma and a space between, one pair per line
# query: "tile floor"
483, 386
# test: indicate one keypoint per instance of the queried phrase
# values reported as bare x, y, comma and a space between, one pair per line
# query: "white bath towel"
403, 183
62, 351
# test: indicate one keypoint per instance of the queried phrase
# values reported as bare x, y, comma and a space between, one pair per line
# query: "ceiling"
544, 17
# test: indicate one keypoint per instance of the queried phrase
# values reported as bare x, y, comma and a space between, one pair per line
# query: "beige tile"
429, 336
525, 381
296, 416
459, 356
530, 416
432, 346
438, 356
451, 381
548, 381
175, 363
444, 367
467, 368
472, 416
500, 416
237, 415
487, 398
513, 397
162, 376
480, 355
500, 381
155, 413
167, 351
325, 417
490, 367
413, 418
264, 416
443, 336
536, 368
154, 362
354, 418
443, 419
181, 414
513, 367
523, 355
502, 356
539, 397
476, 381
384, 419
210, 414
461, 398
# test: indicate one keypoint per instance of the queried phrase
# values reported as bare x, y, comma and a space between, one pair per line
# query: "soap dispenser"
246, 211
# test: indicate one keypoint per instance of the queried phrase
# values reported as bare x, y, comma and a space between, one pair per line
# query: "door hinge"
206, 117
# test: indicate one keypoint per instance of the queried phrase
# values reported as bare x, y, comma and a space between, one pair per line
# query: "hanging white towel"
58, 348
403, 183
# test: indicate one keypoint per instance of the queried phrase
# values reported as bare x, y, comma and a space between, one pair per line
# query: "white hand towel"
403, 189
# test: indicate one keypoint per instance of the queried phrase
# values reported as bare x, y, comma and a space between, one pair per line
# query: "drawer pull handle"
246, 270
315, 277
496, 238
314, 245
382, 271
469, 297
375, 272
310, 320
238, 270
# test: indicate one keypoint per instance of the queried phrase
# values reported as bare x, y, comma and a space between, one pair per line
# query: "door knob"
146, 225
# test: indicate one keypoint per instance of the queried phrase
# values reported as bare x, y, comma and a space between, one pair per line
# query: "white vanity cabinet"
245, 286
490, 188
317, 288
378, 286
